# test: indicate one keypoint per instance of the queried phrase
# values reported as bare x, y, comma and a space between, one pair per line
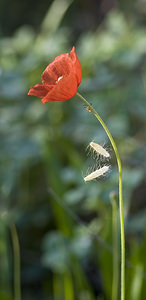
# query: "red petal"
60, 79
62, 65
39, 90
76, 65
65, 89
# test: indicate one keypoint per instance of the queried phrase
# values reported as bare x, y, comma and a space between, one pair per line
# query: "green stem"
115, 247
16, 254
120, 192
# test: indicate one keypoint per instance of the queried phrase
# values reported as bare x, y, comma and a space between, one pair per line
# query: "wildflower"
60, 79
99, 149
97, 173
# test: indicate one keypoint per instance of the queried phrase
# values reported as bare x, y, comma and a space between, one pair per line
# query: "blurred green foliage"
43, 156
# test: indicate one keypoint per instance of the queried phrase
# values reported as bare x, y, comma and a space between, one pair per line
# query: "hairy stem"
89, 106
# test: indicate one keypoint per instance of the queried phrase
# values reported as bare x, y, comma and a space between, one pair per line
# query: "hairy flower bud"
97, 173
99, 149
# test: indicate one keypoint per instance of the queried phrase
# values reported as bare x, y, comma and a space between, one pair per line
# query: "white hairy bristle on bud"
99, 149
97, 173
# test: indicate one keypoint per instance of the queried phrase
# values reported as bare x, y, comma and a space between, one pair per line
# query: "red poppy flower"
60, 79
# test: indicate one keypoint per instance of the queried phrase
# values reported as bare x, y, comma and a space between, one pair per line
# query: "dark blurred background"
64, 226
80, 15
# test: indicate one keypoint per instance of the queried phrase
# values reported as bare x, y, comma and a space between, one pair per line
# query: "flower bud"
97, 173
99, 149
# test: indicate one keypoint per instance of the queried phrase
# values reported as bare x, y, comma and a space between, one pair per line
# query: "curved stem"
16, 254
115, 246
120, 192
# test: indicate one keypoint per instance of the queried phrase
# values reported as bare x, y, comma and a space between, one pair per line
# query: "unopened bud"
99, 149
97, 173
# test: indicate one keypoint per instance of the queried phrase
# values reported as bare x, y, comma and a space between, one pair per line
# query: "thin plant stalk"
68, 287
16, 256
115, 246
90, 108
